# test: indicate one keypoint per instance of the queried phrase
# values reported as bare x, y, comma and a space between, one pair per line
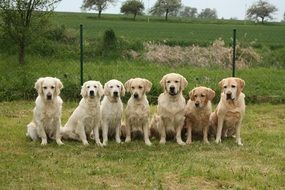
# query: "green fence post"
81, 54
234, 53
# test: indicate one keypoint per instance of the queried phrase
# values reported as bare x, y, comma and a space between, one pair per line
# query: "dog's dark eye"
111, 86
195, 96
45, 87
133, 87
52, 87
176, 81
88, 86
168, 81
118, 86
233, 86
225, 86
95, 86
140, 87
203, 95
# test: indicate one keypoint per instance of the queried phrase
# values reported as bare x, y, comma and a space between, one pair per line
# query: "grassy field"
17, 82
177, 31
259, 164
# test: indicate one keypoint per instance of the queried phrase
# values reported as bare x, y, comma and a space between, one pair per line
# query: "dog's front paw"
128, 139
85, 143
148, 143
218, 141
118, 141
162, 141
188, 142
105, 143
44, 142
181, 143
59, 142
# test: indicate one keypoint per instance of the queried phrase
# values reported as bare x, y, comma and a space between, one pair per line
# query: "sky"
225, 8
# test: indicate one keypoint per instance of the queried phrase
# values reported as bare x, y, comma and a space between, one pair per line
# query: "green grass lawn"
185, 31
259, 164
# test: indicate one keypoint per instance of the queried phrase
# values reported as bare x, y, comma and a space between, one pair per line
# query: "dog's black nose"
136, 95
92, 93
116, 93
197, 105
172, 89
49, 97
229, 96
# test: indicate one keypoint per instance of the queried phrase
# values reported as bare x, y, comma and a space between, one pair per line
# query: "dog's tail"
32, 131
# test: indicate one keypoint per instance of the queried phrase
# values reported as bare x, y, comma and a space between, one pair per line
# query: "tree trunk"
135, 14
99, 14
166, 15
21, 53
262, 20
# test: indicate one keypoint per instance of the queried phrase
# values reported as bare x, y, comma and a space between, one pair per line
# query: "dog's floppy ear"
38, 85
191, 94
241, 84
163, 82
58, 86
147, 85
210, 94
83, 92
221, 83
123, 90
128, 85
106, 89
100, 89
183, 82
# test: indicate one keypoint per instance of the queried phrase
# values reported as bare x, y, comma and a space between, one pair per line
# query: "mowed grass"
177, 31
259, 164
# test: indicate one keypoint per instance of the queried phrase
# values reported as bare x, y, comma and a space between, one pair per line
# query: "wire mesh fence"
203, 54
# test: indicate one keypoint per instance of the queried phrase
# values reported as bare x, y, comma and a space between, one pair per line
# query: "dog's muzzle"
92, 93
136, 96
115, 94
197, 105
172, 91
49, 96
229, 96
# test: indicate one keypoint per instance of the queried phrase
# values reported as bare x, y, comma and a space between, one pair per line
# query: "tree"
165, 7
208, 14
188, 12
19, 18
97, 5
261, 9
132, 7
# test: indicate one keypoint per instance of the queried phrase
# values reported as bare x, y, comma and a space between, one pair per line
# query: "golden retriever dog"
86, 117
137, 110
198, 111
112, 110
171, 106
229, 113
46, 121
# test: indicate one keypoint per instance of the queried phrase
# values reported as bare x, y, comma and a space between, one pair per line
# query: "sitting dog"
137, 110
86, 117
46, 115
198, 111
171, 107
229, 113
112, 109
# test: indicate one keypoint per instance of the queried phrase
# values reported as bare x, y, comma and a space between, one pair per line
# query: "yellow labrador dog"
86, 117
198, 111
112, 110
137, 110
46, 121
229, 113
171, 106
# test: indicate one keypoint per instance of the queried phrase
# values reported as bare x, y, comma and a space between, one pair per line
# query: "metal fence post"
81, 54
234, 52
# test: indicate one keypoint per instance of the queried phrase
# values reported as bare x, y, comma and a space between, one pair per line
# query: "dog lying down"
227, 118
47, 112
86, 117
